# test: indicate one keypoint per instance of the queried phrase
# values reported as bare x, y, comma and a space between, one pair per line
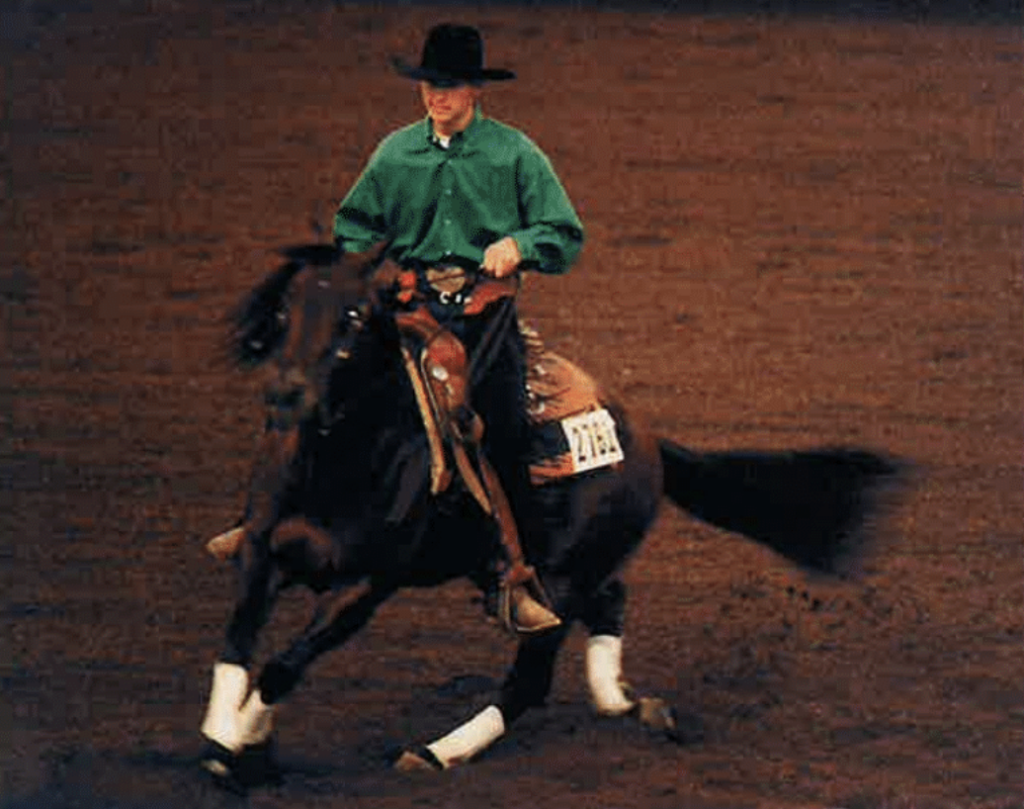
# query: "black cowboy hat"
452, 54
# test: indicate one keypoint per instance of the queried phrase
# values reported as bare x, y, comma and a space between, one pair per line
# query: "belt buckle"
449, 283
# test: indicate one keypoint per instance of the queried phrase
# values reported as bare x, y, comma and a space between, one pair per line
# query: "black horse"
340, 502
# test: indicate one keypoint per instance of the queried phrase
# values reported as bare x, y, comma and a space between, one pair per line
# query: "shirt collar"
466, 137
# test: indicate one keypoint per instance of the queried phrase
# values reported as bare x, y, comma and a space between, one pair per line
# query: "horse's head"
321, 312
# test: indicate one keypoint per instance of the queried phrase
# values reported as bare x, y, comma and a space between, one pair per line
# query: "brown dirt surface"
801, 232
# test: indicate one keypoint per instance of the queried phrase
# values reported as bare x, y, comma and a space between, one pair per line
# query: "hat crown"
454, 49
452, 54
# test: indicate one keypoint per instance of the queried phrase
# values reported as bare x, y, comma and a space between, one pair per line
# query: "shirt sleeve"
552, 234
361, 222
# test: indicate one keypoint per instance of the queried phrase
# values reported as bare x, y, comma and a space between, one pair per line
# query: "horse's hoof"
421, 760
254, 766
659, 717
258, 767
222, 765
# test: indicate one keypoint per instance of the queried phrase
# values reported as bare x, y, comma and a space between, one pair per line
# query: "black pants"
499, 397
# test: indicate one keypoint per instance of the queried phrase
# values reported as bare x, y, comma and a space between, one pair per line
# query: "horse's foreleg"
240, 728
336, 619
333, 624
233, 721
260, 583
272, 472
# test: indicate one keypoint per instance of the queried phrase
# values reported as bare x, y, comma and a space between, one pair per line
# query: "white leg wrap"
230, 684
604, 675
256, 720
470, 739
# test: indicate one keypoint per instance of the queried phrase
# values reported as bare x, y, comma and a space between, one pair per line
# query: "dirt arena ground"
802, 231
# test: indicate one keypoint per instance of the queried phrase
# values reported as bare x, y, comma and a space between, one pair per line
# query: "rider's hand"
501, 258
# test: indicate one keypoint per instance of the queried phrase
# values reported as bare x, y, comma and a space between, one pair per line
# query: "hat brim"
408, 71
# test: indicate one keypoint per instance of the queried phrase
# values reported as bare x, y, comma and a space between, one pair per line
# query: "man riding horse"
454, 195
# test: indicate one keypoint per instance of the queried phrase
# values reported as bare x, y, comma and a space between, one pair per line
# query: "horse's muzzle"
289, 397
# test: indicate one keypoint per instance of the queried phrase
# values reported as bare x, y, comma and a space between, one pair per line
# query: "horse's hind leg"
528, 681
527, 685
604, 615
610, 695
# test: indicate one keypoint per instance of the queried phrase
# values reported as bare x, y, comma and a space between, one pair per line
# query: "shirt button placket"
446, 205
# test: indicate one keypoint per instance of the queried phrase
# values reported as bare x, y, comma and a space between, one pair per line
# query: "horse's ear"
319, 255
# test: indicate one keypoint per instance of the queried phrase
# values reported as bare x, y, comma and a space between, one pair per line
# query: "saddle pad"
571, 430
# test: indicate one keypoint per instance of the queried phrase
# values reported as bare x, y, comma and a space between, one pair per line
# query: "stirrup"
524, 609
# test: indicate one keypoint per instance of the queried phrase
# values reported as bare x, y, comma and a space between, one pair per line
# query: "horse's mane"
259, 323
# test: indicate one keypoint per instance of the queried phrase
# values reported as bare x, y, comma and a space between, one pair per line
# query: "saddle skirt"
572, 431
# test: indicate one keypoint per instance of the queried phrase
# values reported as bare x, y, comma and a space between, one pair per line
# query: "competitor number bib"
593, 442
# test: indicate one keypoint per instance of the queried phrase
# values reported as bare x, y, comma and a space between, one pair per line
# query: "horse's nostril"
293, 378
285, 398
288, 388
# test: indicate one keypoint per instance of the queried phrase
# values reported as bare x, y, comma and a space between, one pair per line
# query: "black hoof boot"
222, 766
251, 768
258, 767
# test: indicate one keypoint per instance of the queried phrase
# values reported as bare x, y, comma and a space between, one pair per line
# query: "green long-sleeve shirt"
435, 204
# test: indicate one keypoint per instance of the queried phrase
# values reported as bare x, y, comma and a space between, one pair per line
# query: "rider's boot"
515, 598
522, 605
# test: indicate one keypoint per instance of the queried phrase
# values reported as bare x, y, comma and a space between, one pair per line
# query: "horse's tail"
809, 506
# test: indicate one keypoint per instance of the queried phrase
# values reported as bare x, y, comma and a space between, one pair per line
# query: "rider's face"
450, 108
